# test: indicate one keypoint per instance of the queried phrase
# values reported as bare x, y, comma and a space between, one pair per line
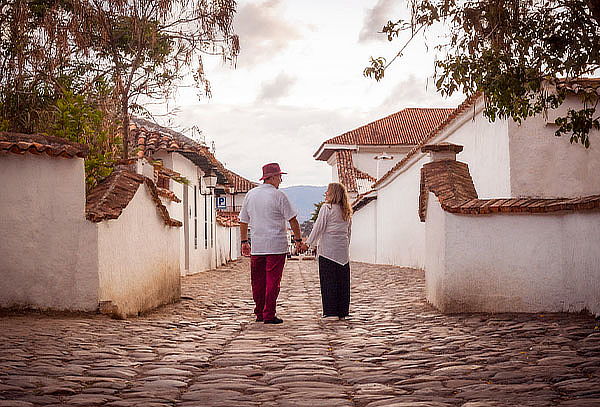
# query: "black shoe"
274, 321
259, 319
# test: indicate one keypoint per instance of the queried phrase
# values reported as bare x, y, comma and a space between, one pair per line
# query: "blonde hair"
337, 194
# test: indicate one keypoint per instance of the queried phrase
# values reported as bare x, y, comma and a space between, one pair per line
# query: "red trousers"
265, 273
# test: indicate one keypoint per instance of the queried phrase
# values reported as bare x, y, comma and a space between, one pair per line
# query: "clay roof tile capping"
450, 181
455, 113
19, 143
408, 126
350, 176
110, 197
149, 138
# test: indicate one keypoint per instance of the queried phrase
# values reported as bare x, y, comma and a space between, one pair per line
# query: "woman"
331, 235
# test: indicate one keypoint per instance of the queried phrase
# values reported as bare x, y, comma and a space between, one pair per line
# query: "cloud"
375, 19
418, 92
263, 32
275, 89
247, 137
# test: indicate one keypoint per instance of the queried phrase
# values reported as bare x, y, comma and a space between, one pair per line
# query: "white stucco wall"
228, 244
138, 258
435, 246
544, 165
332, 161
48, 255
202, 249
400, 233
486, 151
363, 243
364, 158
517, 262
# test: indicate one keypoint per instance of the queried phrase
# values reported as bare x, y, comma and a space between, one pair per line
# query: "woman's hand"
246, 249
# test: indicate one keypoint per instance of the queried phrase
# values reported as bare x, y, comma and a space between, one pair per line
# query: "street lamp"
210, 182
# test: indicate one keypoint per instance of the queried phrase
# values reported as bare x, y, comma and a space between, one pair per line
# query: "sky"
298, 82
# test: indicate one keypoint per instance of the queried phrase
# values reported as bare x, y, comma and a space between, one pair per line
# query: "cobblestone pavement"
207, 350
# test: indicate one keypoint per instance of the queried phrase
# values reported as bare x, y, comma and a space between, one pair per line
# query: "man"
266, 209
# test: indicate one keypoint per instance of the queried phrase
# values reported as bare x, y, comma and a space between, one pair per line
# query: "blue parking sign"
221, 202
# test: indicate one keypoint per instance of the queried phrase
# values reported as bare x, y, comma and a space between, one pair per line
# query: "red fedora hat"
270, 170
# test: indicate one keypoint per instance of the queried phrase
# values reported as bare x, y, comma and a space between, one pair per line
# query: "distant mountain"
303, 198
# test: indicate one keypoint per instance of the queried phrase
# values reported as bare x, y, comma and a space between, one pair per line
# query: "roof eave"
326, 150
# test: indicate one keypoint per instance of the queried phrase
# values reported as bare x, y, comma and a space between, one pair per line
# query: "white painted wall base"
513, 262
138, 258
363, 242
228, 244
48, 250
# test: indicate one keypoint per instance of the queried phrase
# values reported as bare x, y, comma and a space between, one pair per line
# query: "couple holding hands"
267, 209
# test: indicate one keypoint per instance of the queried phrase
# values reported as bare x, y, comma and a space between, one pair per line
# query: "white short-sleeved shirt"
267, 210
331, 234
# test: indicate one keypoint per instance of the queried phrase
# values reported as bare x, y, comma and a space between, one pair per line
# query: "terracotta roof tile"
468, 103
228, 218
167, 193
18, 143
451, 182
110, 197
408, 126
580, 85
349, 175
149, 138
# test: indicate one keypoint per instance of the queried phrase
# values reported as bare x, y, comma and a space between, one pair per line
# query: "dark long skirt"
335, 287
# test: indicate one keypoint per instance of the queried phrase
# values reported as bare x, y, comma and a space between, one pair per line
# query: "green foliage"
514, 51
75, 119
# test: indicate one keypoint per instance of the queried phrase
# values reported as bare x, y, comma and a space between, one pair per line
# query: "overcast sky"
298, 81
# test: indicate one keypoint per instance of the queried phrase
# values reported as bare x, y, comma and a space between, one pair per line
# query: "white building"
512, 260
192, 182
123, 248
360, 156
124, 256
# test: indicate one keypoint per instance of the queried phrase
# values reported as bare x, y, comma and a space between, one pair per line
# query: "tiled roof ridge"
152, 126
466, 104
449, 180
227, 222
524, 205
168, 194
362, 201
351, 135
363, 175
108, 199
188, 145
240, 183
578, 85
111, 196
162, 210
20, 143
346, 173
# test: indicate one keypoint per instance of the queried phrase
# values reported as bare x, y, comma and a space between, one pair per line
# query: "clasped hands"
301, 247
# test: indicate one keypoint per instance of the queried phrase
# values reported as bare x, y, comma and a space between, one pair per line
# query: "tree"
519, 53
46, 87
111, 52
145, 45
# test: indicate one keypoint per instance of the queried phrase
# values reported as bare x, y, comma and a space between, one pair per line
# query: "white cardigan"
331, 234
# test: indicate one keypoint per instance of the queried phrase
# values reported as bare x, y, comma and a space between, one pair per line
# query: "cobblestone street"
394, 351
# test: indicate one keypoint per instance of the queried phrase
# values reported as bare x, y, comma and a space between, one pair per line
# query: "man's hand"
301, 247
246, 249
